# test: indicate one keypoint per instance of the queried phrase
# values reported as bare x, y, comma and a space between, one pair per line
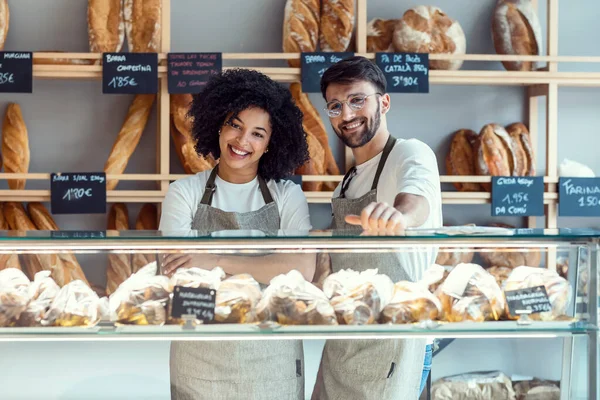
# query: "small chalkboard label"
405, 72
78, 234
517, 196
16, 72
189, 72
78, 193
199, 302
534, 299
129, 73
313, 66
579, 197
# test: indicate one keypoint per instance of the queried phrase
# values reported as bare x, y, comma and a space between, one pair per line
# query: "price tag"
199, 302
579, 197
78, 234
405, 72
78, 193
189, 72
313, 66
517, 196
16, 72
534, 299
129, 73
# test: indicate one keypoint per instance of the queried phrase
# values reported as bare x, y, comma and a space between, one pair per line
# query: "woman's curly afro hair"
236, 90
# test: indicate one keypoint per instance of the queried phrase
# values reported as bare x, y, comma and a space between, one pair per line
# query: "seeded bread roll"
301, 27
142, 25
119, 265
106, 28
461, 158
15, 145
147, 220
380, 33
4, 22
336, 25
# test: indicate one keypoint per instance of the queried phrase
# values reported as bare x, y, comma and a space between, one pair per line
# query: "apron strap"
346, 181
210, 188
389, 146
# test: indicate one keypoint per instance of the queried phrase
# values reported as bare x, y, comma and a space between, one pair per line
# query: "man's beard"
364, 136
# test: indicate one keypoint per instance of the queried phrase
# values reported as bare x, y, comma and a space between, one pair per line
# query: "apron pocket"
191, 388
369, 359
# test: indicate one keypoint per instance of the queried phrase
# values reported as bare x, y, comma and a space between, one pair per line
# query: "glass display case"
471, 282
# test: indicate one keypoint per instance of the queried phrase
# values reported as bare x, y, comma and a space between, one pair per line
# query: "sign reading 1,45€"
405, 72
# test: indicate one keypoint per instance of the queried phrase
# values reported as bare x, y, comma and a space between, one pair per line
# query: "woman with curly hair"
252, 126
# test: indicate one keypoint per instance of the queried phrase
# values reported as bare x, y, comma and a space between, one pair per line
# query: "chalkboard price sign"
405, 72
129, 73
78, 193
189, 72
579, 197
16, 72
533, 299
313, 66
517, 196
198, 302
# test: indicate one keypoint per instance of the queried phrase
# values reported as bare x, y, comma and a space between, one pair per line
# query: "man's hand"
172, 262
379, 217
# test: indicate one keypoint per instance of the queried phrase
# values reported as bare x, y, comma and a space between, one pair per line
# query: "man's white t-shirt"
411, 167
183, 197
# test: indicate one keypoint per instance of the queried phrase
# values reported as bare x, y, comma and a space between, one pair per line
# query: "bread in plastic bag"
434, 276
558, 289
411, 302
236, 300
537, 389
358, 297
291, 300
474, 386
470, 293
500, 274
42, 292
74, 305
13, 295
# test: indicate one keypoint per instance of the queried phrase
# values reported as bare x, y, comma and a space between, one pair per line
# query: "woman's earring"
266, 151
219, 132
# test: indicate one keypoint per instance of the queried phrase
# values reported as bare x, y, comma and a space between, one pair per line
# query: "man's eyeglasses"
357, 102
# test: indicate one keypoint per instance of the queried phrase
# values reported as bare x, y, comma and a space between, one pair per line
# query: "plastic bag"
236, 300
537, 389
74, 305
358, 298
558, 289
197, 277
434, 276
411, 302
13, 295
470, 293
291, 300
474, 386
500, 274
42, 292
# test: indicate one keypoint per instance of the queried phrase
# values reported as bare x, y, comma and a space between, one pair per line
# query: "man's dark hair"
236, 90
354, 69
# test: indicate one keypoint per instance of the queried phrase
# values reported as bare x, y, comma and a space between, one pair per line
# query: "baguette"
336, 25
301, 27
142, 25
44, 222
106, 28
10, 260
119, 265
129, 136
4, 22
15, 145
147, 220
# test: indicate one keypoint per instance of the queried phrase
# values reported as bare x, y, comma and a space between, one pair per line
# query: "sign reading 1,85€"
130, 73
405, 72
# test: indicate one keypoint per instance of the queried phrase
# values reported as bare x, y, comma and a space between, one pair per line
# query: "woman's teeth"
238, 152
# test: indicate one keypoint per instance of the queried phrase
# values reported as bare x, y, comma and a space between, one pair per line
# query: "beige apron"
214, 370
368, 369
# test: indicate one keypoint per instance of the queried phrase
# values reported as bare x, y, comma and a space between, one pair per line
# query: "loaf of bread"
181, 133
427, 29
495, 154
119, 265
147, 220
301, 27
461, 158
129, 136
516, 31
44, 222
525, 159
4, 22
380, 33
106, 28
316, 163
7, 260
142, 25
15, 145
336, 25
452, 256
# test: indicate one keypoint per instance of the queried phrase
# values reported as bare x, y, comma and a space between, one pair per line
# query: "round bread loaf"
427, 29
379, 35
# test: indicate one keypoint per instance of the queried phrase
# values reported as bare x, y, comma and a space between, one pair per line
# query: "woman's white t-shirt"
182, 199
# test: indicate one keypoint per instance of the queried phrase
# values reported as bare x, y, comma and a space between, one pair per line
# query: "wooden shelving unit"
544, 82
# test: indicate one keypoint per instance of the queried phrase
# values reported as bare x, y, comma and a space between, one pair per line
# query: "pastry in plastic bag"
537, 389
197, 277
558, 289
500, 274
411, 302
13, 295
291, 300
470, 293
74, 305
479, 386
42, 291
236, 299
434, 276
358, 298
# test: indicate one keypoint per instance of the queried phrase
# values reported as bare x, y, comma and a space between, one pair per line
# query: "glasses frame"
364, 97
